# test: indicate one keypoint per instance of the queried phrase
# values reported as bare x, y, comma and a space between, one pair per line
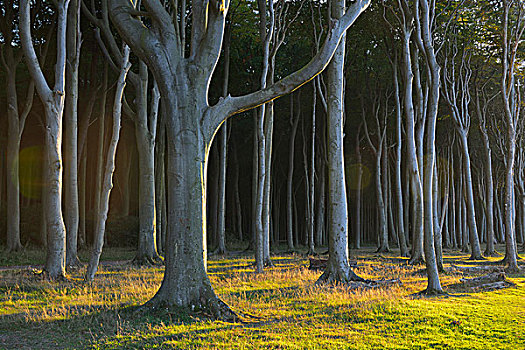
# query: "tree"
191, 123
16, 119
513, 13
53, 102
338, 268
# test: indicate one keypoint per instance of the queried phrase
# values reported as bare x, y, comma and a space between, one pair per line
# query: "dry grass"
282, 308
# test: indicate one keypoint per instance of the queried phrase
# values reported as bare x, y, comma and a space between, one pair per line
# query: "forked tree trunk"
183, 84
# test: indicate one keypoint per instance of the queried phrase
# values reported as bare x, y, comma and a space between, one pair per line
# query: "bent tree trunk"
191, 124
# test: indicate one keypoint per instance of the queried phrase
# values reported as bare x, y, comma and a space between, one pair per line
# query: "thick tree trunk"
186, 285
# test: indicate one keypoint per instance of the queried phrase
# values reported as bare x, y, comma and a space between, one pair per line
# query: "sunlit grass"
282, 308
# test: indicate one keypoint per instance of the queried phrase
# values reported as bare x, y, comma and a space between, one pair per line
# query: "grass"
283, 309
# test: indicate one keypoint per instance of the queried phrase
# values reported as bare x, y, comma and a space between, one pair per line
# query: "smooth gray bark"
53, 102
183, 83
109, 168
424, 26
338, 268
71, 204
223, 151
294, 122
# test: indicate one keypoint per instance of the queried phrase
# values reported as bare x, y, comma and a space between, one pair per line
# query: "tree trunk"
473, 230
434, 285
13, 177
294, 122
53, 102
338, 268
107, 184
71, 205
416, 188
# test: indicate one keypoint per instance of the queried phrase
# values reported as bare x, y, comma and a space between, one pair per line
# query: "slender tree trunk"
223, 149
145, 133
107, 185
100, 146
416, 188
294, 122
434, 284
358, 192
13, 176
397, 171
473, 230
338, 268
71, 204
53, 101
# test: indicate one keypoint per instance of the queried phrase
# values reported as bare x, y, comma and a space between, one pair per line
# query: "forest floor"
283, 308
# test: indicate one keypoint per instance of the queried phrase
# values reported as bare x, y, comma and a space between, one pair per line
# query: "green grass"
282, 308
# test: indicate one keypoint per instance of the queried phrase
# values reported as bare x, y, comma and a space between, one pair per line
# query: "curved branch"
233, 105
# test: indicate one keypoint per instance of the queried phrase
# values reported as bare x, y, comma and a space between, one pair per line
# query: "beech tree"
16, 118
191, 123
53, 101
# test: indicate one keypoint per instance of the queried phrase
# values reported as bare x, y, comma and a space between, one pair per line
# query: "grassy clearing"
284, 308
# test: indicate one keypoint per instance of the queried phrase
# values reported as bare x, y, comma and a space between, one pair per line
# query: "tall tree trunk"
145, 133
294, 122
13, 176
53, 101
338, 268
473, 230
71, 205
223, 150
416, 188
358, 192
109, 168
434, 284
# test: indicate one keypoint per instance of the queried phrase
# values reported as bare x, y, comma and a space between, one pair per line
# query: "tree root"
383, 250
477, 257
432, 292
45, 275
74, 264
211, 308
145, 260
416, 260
492, 254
